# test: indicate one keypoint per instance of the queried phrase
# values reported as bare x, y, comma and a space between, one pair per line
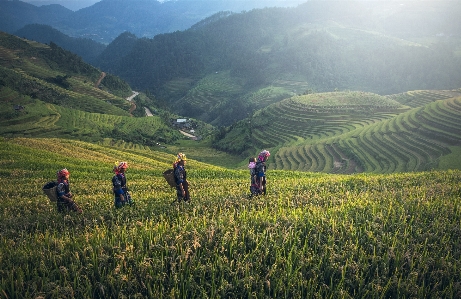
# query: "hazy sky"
70, 4
79, 4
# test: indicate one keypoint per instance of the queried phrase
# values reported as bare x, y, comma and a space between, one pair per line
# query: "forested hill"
229, 65
86, 48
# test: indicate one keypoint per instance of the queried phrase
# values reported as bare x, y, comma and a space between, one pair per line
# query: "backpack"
169, 177
50, 190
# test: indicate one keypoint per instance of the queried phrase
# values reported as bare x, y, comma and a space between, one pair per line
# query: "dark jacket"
119, 183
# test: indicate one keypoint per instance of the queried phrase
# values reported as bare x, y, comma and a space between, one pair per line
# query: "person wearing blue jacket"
261, 170
121, 194
65, 200
180, 176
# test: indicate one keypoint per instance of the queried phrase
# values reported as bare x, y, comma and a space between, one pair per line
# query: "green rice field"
312, 236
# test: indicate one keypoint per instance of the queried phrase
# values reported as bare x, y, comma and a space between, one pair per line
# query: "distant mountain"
231, 64
87, 48
16, 14
70, 4
107, 19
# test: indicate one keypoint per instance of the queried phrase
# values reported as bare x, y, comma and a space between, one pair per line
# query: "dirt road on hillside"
130, 99
148, 112
100, 79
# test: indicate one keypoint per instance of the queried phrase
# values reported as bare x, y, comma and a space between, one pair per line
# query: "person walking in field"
65, 200
122, 196
261, 170
180, 177
254, 187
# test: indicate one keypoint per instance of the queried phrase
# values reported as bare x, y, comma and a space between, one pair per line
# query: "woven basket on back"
169, 177
50, 190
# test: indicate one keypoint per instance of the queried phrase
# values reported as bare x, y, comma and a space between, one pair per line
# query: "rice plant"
312, 236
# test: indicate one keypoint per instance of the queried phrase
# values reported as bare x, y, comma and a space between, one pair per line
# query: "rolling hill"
46, 91
420, 139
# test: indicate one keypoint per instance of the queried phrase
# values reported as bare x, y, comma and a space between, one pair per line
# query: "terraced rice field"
40, 119
291, 122
411, 141
420, 98
210, 91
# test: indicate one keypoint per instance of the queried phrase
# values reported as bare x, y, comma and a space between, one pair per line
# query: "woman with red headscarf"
122, 197
65, 202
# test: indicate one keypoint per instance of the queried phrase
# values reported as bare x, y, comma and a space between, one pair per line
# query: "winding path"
130, 99
100, 79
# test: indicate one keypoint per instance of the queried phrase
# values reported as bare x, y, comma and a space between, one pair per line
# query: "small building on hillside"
182, 123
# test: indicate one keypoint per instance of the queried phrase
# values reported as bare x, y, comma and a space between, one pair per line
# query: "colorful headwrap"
62, 173
179, 157
263, 155
120, 165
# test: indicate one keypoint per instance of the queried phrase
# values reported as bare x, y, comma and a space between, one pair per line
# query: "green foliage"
313, 235
118, 86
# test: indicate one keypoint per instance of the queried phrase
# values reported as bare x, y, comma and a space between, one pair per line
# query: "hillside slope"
47, 91
348, 132
56, 76
86, 48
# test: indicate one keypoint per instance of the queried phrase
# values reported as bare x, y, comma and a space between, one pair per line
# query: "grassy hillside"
48, 92
39, 119
56, 76
313, 235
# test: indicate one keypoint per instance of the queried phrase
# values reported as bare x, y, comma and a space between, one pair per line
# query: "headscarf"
120, 165
263, 156
61, 174
180, 157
